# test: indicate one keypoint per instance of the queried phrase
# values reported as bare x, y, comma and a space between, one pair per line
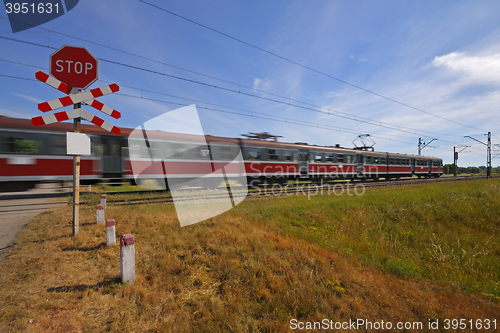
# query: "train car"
30, 154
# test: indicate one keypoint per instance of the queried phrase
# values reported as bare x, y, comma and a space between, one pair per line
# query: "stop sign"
75, 66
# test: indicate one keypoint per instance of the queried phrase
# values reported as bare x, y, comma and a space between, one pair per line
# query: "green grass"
420, 253
447, 231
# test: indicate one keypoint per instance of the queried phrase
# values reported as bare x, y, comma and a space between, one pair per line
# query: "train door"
359, 165
429, 163
412, 165
112, 166
304, 162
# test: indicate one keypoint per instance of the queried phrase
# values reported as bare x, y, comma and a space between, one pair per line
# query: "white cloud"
476, 69
261, 84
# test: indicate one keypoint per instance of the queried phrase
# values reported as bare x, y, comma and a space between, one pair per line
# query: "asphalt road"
17, 209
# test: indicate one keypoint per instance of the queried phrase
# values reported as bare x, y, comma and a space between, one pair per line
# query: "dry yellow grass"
229, 274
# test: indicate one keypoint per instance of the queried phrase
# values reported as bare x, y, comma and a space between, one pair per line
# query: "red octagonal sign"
75, 66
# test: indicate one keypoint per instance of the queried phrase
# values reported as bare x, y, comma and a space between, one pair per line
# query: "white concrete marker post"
110, 232
103, 200
99, 211
127, 258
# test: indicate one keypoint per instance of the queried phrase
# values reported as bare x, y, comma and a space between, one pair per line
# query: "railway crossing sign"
75, 66
73, 98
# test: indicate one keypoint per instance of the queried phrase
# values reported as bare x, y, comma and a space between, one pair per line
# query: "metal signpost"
73, 69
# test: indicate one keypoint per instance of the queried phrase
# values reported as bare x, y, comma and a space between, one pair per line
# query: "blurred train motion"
30, 154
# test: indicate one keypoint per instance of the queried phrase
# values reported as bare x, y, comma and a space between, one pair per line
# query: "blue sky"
439, 57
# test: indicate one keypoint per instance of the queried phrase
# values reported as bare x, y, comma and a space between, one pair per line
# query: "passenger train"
30, 154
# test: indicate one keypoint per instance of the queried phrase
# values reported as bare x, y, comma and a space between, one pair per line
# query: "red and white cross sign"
85, 96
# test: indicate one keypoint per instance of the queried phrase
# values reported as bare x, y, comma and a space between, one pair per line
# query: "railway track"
290, 189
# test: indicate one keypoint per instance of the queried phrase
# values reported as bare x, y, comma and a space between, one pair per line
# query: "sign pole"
76, 178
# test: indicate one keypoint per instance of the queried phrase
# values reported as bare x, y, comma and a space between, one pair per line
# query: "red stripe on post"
96, 92
97, 121
96, 104
116, 130
65, 101
99, 206
110, 222
41, 76
114, 87
44, 107
115, 114
37, 121
127, 239
61, 116
64, 88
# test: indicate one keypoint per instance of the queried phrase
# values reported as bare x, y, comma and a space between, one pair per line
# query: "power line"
261, 115
302, 65
253, 114
219, 79
219, 88
371, 122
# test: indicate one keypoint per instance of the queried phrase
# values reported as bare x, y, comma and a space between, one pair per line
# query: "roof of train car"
20, 123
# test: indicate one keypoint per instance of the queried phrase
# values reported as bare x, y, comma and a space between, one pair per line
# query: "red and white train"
30, 154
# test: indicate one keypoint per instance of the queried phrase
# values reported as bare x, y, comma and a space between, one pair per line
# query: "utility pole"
488, 152
488, 157
422, 145
455, 159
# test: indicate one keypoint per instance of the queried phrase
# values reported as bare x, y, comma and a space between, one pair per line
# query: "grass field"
409, 254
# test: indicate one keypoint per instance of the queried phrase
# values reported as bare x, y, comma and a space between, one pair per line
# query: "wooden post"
76, 179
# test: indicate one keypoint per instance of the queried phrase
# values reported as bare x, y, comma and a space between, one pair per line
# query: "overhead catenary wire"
253, 114
303, 66
227, 81
371, 122
223, 88
314, 125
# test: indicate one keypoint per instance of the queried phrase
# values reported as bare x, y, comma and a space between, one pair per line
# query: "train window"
318, 158
202, 152
113, 148
375, 160
329, 158
368, 160
295, 157
224, 153
287, 156
348, 159
16, 143
176, 150
272, 154
253, 154
340, 158
391, 161
57, 145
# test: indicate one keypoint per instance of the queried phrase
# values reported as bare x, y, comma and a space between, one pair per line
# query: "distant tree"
448, 169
